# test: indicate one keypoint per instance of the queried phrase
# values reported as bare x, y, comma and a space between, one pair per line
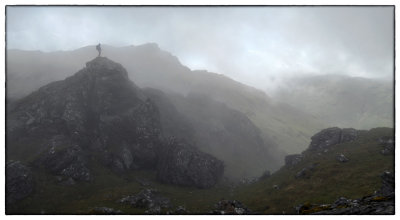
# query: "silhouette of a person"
98, 48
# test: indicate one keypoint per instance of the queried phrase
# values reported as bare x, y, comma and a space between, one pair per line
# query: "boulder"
182, 164
19, 182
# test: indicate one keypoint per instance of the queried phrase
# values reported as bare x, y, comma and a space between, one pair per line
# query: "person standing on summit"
98, 48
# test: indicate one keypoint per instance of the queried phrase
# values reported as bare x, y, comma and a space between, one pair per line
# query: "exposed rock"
184, 165
105, 211
67, 160
293, 159
228, 207
19, 182
147, 199
341, 158
332, 136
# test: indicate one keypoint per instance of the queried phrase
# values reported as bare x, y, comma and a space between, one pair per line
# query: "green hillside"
329, 179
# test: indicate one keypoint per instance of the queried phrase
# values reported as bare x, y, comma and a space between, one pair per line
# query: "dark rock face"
332, 136
381, 203
148, 199
293, 159
19, 182
184, 165
228, 207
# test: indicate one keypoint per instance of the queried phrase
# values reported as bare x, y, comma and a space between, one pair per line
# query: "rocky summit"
97, 116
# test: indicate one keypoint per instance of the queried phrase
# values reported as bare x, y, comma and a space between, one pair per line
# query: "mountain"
342, 101
94, 120
284, 128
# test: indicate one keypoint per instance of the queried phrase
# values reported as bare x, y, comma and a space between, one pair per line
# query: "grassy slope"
329, 181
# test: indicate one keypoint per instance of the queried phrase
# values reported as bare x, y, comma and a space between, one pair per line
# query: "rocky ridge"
98, 116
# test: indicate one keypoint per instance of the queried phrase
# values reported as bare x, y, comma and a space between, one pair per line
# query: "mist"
259, 46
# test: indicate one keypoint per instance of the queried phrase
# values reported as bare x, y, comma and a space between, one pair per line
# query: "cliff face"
95, 116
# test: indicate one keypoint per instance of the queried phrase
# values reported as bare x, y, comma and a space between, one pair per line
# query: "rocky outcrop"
228, 207
332, 136
66, 160
19, 182
148, 199
293, 159
182, 164
99, 116
381, 203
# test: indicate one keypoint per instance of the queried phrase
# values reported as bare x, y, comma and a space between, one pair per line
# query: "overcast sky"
259, 46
